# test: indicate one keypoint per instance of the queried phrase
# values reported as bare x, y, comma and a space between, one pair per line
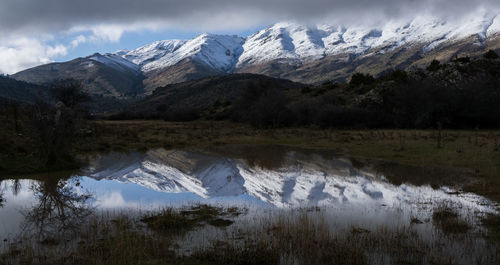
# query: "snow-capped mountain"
220, 52
115, 61
151, 52
292, 41
302, 53
301, 180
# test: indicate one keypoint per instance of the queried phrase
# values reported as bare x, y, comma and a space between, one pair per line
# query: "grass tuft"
449, 221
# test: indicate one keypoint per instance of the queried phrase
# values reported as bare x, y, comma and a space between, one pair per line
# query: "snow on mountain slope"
218, 51
282, 41
295, 43
494, 28
116, 61
152, 52
300, 181
475, 25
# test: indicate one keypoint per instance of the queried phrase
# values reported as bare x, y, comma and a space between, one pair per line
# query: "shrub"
491, 55
398, 76
434, 66
361, 79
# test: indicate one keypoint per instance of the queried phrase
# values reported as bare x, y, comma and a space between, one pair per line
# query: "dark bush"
58, 128
361, 79
305, 90
187, 114
262, 107
462, 59
69, 92
161, 108
491, 55
434, 66
398, 76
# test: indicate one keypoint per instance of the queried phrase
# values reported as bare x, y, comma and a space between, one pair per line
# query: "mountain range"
308, 54
300, 179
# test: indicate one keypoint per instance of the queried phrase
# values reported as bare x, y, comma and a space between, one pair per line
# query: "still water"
267, 178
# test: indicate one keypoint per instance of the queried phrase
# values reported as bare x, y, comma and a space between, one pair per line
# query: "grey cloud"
35, 16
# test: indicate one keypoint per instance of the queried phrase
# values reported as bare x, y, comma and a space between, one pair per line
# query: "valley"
293, 142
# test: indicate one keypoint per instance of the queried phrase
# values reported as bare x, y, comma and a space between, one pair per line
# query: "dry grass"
492, 223
284, 237
449, 221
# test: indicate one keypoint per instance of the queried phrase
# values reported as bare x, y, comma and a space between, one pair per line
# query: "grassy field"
435, 154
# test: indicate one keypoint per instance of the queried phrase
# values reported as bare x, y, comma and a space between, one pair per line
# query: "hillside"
11, 89
463, 93
209, 94
100, 75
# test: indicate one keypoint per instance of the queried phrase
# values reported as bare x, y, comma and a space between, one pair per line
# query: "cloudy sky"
34, 32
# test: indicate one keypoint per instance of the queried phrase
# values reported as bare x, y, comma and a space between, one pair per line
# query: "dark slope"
201, 95
97, 79
15, 90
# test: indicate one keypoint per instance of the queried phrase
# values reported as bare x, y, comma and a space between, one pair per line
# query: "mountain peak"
297, 43
115, 61
216, 51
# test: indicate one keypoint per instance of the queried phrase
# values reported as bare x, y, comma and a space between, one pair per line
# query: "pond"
260, 178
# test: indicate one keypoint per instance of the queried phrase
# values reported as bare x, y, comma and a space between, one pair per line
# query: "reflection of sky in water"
114, 194
107, 195
293, 179
10, 215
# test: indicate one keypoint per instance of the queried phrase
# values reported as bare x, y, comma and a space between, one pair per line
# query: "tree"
434, 66
361, 79
60, 209
399, 76
59, 128
69, 92
491, 55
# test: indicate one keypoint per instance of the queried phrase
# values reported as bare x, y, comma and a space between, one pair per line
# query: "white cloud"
18, 52
78, 40
21, 53
56, 51
35, 16
107, 33
103, 33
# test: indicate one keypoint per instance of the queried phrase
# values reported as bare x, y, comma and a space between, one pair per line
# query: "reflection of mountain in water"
300, 180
